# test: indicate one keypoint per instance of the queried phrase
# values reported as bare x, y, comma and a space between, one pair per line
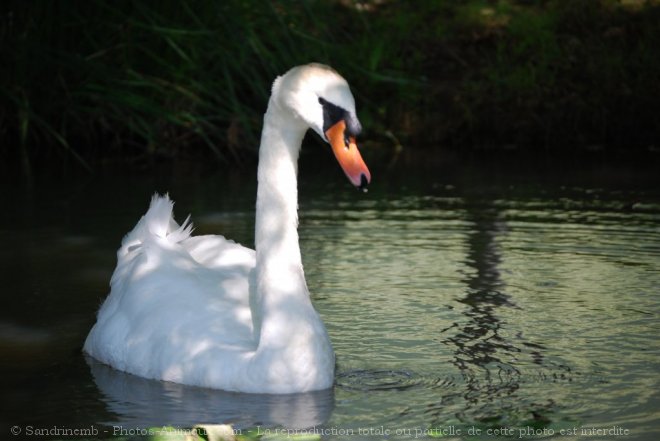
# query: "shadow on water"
138, 402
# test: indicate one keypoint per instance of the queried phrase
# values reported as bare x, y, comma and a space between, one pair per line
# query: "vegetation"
99, 80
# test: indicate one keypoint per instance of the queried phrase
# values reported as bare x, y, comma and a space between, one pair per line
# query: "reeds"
96, 79
132, 78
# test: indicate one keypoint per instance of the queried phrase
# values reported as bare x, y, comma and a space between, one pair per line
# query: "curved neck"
279, 274
276, 224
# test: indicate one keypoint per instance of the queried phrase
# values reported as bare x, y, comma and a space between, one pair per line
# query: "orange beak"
348, 155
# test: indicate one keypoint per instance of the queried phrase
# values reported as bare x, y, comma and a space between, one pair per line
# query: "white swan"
205, 311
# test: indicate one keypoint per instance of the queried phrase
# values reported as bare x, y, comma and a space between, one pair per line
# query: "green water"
478, 302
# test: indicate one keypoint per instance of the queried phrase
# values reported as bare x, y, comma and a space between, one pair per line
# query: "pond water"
462, 302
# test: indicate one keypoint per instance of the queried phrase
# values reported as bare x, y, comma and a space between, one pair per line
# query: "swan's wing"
228, 271
216, 252
173, 298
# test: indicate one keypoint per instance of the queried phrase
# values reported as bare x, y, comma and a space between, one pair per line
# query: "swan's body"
208, 312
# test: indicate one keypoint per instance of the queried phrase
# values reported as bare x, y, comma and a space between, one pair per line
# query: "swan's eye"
347, 141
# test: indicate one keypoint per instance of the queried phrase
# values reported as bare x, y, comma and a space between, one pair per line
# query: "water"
483, 303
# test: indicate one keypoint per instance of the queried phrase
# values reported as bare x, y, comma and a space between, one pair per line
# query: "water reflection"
492, 362
139, 402
479, 341
482, 355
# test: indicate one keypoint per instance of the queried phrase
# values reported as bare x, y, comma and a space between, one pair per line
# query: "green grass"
97, 80
570, 74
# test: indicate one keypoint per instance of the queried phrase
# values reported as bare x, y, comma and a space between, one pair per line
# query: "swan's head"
320, 97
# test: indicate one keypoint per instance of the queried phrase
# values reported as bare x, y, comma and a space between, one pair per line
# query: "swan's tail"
160, 221
157, 222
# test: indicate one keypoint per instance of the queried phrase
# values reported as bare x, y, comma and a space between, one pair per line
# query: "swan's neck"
280, 283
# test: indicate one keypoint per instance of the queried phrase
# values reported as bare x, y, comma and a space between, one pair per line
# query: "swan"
206, 311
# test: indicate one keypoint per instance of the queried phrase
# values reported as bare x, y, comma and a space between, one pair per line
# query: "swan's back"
178, 308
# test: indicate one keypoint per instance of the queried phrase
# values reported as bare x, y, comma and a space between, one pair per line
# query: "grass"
572, 74
97, 80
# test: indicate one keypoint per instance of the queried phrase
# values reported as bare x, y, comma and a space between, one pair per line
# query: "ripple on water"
377, 380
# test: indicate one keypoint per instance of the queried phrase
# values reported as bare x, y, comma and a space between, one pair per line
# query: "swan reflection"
139, 402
